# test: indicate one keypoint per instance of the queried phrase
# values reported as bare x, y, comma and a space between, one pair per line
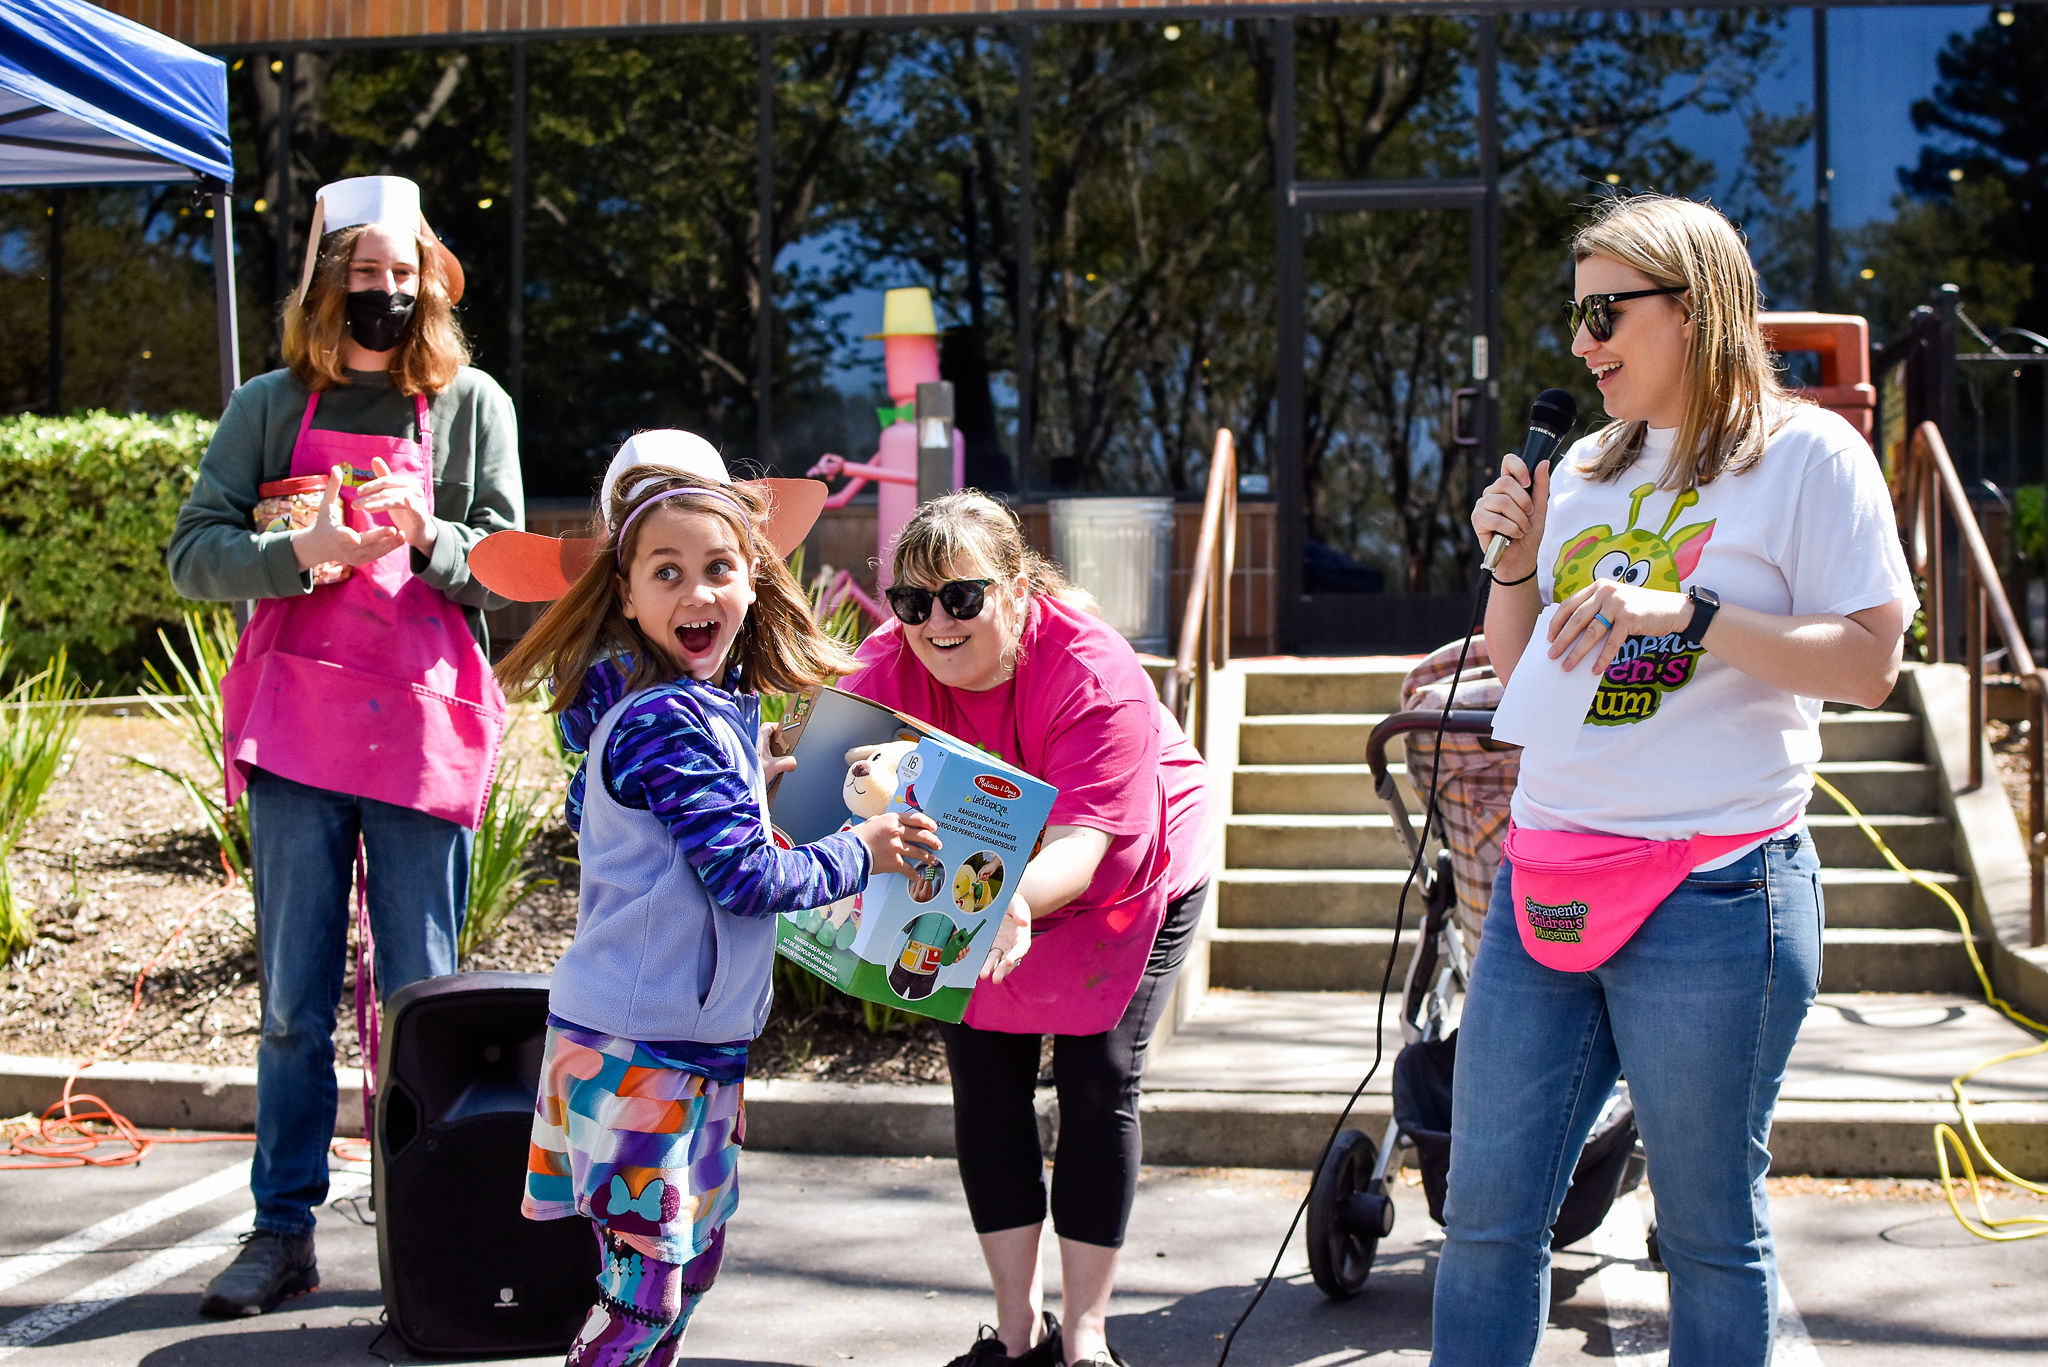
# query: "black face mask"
378, 319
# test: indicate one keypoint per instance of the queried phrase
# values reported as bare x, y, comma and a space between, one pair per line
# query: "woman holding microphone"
1724, 556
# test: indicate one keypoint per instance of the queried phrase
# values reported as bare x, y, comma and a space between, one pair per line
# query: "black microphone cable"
1379, 1029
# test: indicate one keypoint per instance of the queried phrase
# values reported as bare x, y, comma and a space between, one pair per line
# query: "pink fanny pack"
1578, 898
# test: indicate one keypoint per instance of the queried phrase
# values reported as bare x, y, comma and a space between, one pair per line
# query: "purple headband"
619, 550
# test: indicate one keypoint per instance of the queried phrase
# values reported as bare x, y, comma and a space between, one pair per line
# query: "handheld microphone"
1550, 417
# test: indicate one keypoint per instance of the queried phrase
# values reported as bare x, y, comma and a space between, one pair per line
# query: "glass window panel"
640, 252
137, 293
1919, 202
896, 166
1703, 103
1386, 98
1154, 252
1387, 342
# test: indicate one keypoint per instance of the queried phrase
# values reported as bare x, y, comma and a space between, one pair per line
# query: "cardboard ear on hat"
451, 269
527, 567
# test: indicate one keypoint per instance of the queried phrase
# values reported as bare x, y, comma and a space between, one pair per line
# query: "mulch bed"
118, 858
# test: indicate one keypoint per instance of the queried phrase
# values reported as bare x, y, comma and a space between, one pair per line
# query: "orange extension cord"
61, 1139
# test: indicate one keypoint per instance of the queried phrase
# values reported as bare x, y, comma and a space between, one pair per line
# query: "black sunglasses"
962, 599
1591, 312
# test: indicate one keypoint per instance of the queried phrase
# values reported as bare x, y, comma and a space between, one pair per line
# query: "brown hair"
969, 525
315, 333
780, 647
1734, 399
956, 529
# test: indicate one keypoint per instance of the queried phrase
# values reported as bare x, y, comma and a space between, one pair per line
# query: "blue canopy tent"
90, 98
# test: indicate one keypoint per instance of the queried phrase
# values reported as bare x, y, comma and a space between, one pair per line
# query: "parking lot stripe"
27, 1266
144, 1275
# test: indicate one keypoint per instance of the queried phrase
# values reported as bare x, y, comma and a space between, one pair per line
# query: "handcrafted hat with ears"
529, 568
390, 200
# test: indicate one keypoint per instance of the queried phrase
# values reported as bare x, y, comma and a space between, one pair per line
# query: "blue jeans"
303, 864
1699, 1010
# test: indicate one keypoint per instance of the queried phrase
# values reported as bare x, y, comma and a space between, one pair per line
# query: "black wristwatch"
1705, 603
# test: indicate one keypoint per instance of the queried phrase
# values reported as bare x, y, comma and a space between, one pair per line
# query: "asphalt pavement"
871, 1260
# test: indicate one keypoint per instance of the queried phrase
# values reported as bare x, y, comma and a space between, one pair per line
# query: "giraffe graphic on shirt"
1647, 667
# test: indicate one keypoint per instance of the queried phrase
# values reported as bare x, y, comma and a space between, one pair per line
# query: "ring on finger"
1602, 620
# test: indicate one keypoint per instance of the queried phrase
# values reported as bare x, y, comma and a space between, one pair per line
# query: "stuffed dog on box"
869, 789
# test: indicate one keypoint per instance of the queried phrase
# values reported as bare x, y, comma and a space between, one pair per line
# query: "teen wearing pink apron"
360, 721
365, 712
372, 686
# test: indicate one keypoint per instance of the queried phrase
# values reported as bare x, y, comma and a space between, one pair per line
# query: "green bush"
2026, 524
87, 504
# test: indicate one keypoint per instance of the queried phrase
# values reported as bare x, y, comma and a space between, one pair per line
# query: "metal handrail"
1928, 488
1205, 621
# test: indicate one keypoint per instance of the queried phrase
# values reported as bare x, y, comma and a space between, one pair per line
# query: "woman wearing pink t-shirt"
990, 645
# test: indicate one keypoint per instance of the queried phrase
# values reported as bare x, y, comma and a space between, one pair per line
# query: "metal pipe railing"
1205, 621
1930, 488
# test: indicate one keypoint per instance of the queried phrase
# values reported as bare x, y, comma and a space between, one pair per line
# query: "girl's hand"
895, 839
1576, 631
1508, 508
404, 501
773, 763
1011, 941
331, 541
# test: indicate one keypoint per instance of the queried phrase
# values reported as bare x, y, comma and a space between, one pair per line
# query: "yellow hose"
1985, 1226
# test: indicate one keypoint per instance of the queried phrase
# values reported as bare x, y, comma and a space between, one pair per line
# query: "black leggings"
995, 1127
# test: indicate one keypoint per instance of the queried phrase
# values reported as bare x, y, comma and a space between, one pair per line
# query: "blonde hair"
316, 331
1734, 399
780, 647
953, 529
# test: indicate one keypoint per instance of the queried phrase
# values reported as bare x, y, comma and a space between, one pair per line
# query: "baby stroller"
1349, 1210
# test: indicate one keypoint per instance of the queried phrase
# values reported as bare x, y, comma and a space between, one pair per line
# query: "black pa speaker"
463, 1270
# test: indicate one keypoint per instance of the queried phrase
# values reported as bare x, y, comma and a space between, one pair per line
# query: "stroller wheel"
1348, 1214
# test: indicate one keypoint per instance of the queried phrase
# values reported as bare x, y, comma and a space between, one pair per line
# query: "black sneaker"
988, 1349
271, 1267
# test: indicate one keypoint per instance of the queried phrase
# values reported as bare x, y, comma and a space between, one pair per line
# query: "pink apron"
372, 686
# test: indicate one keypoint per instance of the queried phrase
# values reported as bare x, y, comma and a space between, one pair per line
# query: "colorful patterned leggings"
643, 1304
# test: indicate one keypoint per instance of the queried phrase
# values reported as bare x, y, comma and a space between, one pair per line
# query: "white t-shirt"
1679, 743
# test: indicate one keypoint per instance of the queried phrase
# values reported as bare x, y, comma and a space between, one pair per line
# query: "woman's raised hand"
1012, 940
331, 541
1510, 507
894, 839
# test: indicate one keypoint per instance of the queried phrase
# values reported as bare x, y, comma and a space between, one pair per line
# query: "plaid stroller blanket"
1476, 778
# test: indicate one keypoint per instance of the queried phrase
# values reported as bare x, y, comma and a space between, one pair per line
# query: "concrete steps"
1305, 917
1258, 1078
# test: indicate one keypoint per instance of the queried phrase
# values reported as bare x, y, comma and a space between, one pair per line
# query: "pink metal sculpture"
910, 354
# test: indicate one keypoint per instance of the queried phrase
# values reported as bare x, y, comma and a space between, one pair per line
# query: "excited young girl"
685, 613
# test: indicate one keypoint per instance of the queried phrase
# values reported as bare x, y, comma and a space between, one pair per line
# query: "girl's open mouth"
946, 642
697, 638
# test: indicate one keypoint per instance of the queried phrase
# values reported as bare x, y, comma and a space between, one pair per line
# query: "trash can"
1120, 550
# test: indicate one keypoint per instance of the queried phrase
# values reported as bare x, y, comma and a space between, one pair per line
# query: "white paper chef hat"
374, 199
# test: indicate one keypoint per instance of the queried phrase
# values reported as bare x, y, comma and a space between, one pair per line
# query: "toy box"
915, 943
